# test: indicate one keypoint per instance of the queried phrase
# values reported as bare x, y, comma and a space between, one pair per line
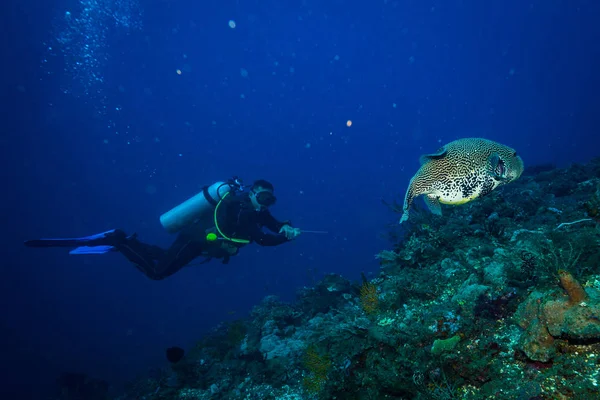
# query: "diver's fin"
69, 242
433, 203
93, 250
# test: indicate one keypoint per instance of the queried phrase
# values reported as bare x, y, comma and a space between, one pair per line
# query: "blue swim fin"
76, 242
93, 250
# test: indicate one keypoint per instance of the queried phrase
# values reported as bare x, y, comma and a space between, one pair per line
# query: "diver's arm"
266, 239
271, 223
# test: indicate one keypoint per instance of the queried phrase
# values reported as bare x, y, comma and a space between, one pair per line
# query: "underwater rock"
570, 313
536, 342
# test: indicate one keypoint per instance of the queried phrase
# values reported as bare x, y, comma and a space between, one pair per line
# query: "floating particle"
151, 189
349, 123
243, 72
232, 24
178, 71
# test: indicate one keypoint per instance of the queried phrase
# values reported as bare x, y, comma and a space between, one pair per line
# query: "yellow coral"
368, 298
318, 366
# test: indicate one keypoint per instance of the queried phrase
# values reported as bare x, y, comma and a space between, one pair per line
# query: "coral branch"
572, 223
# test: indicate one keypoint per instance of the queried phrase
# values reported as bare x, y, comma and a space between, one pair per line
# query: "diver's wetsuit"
237, 219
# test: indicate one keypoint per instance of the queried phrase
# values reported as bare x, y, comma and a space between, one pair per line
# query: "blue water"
113, 115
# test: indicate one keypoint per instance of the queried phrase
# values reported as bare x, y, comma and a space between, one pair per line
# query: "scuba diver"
215, 223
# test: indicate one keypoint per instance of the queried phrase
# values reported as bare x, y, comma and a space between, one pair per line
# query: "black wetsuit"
236, 218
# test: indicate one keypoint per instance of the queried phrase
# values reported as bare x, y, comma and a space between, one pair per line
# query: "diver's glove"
289, 232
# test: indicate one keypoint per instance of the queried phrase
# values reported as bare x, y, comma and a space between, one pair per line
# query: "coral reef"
496, 299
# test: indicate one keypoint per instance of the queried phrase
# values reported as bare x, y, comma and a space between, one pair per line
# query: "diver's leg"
182, 252
145, 256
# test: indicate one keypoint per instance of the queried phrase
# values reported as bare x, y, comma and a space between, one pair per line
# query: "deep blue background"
522, 73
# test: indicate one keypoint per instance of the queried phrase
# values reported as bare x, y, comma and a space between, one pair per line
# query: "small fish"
461, 171
175, 354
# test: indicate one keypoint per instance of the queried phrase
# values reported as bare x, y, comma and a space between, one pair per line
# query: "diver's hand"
289, 232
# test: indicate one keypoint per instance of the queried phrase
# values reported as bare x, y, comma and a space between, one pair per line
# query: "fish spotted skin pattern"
461, 171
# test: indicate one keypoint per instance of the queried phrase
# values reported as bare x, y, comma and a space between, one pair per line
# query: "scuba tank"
199, 206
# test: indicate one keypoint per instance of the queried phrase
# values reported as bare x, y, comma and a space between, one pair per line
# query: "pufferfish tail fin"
415, 188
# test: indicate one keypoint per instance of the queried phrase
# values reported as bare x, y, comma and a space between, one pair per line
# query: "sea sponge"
574, 289
442, 345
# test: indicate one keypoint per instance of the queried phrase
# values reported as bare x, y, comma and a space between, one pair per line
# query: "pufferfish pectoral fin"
433, 203
440, 153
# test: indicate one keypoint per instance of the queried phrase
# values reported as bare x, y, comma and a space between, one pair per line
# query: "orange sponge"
574, 289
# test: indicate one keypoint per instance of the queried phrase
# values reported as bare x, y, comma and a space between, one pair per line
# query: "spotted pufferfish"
461, 171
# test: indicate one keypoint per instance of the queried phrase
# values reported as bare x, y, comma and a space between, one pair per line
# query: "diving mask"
265, 198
